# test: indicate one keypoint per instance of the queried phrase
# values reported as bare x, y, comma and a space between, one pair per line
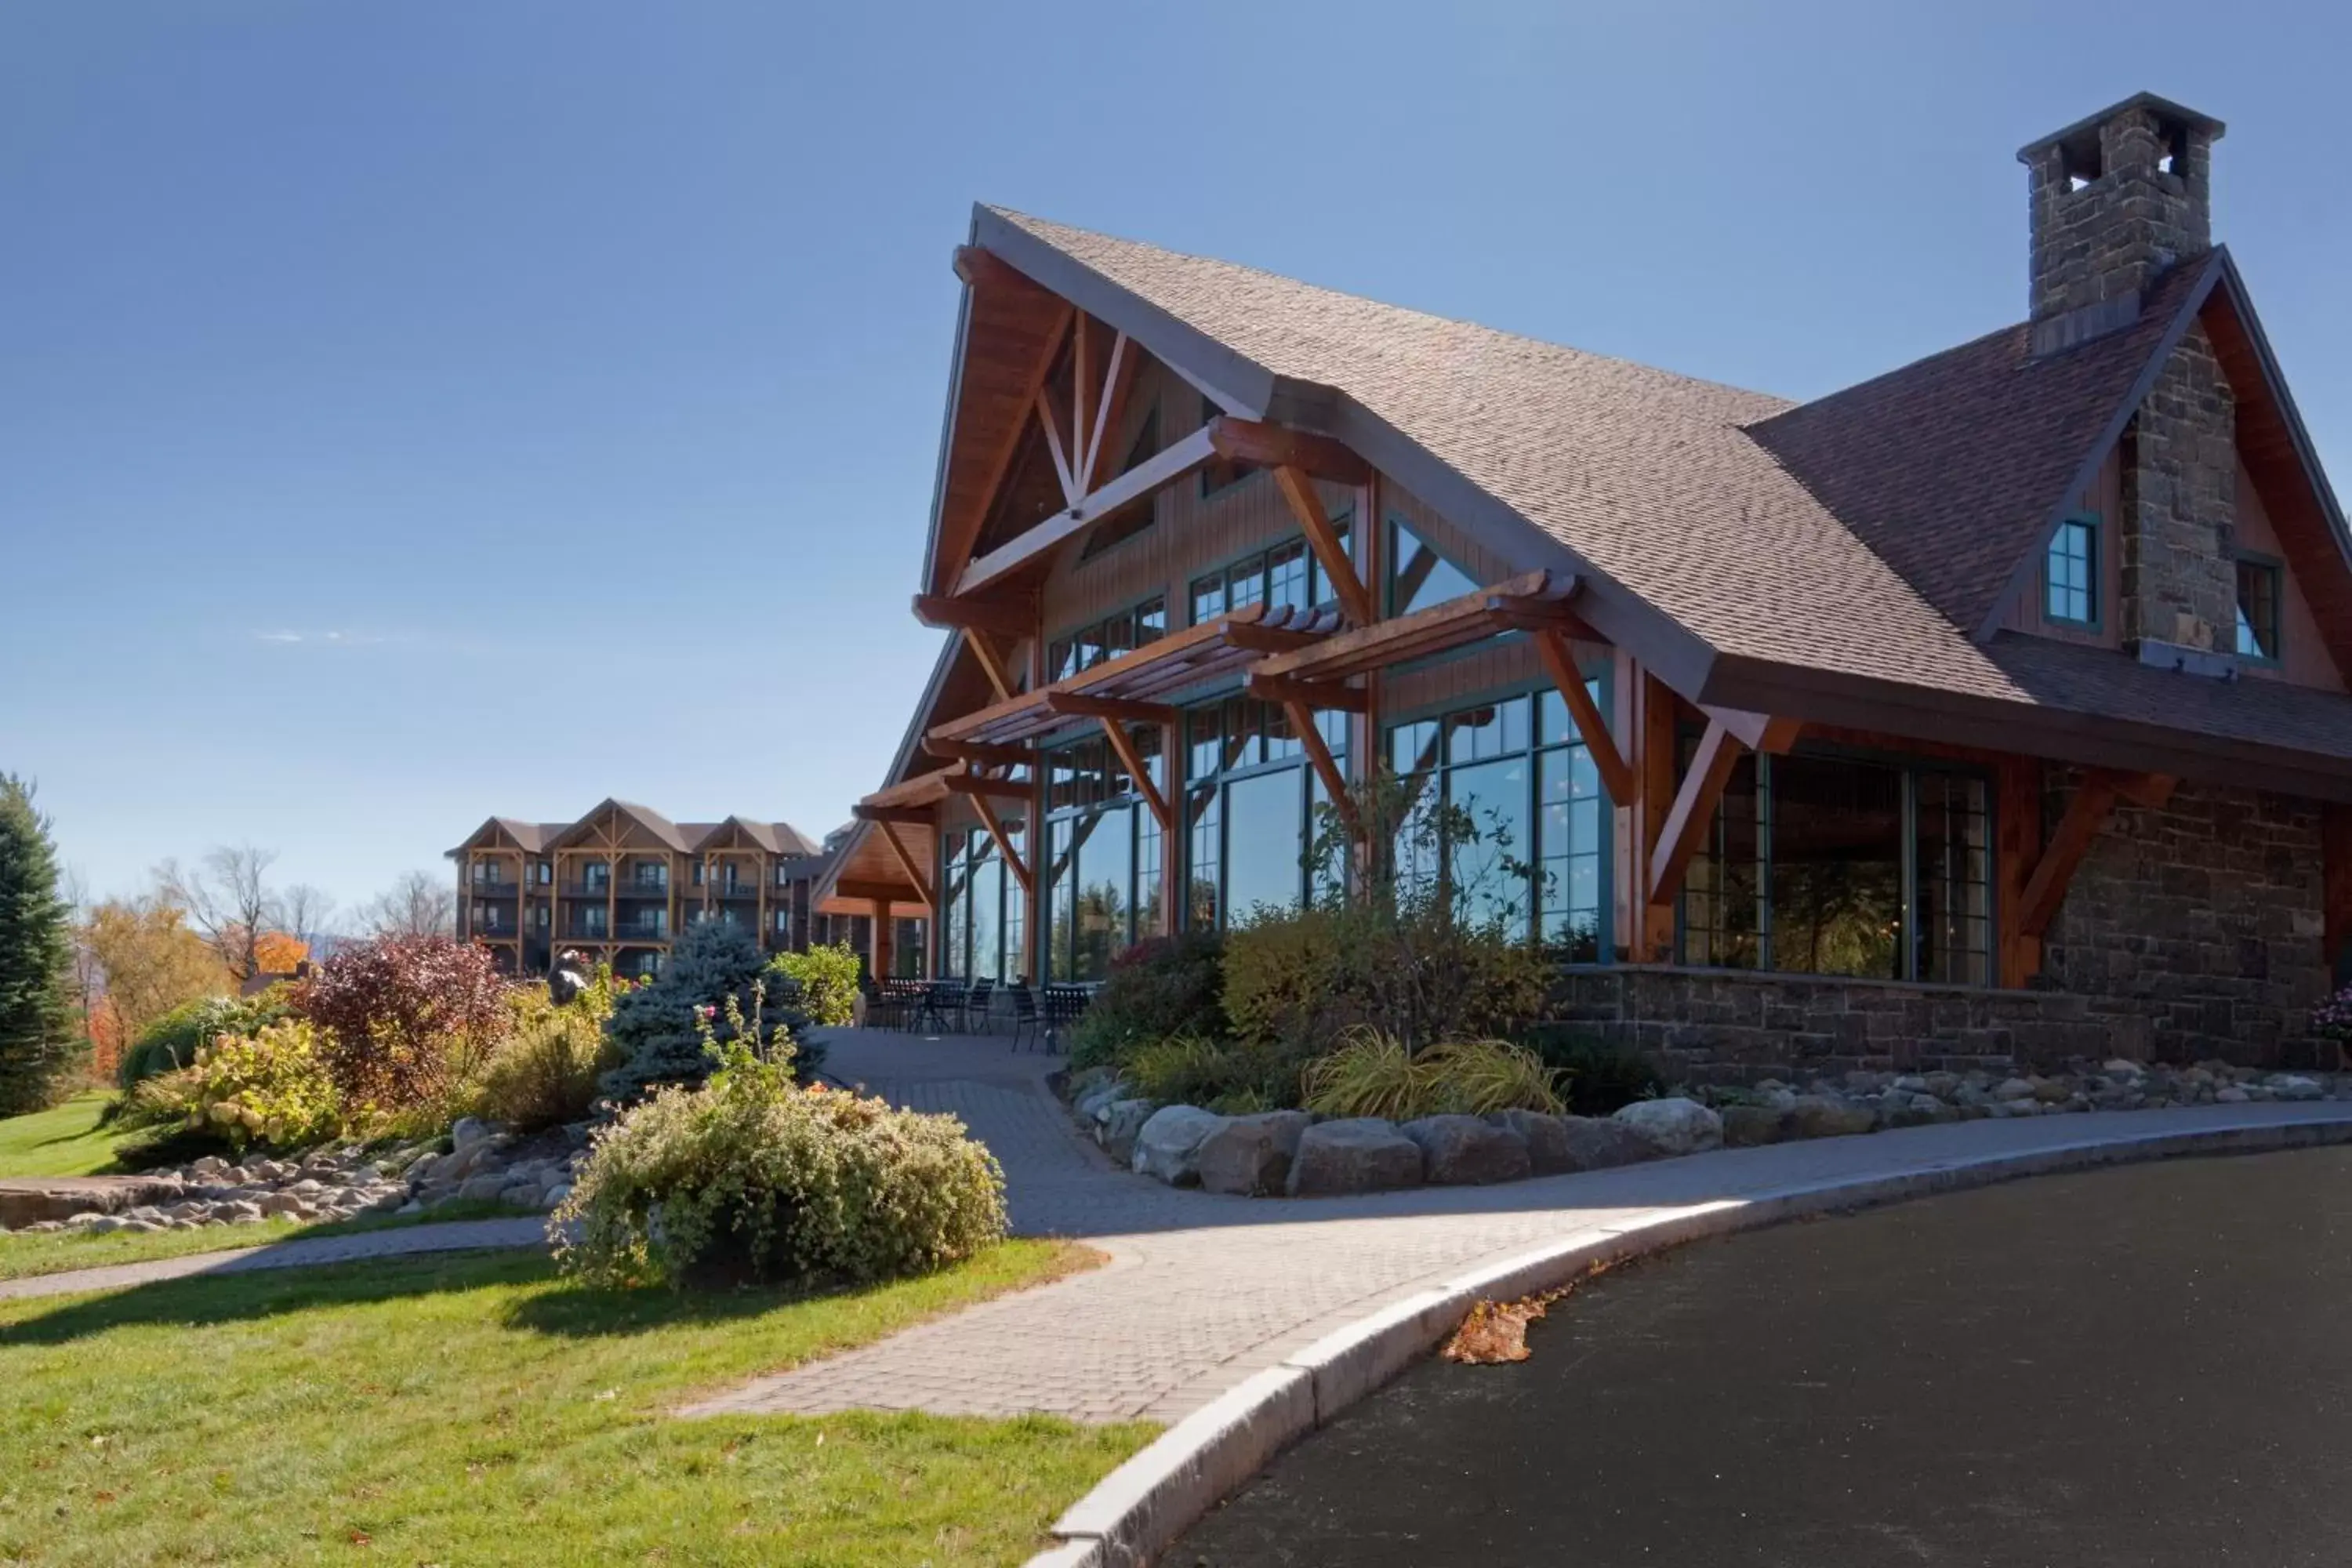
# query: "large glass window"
1248, 809
1418, 576
981, 918
1288, 575
1516, 776
1829, 864
2070, 573
1107, 638
1104, 866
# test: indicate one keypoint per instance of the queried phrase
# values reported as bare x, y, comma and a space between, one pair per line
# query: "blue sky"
410, 413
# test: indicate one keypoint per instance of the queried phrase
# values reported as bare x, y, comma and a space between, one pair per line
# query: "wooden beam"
1005, 618
1757, 731
996, 830
980, 787
849, 887
980, 753
1132, 761
1119, 380
991, 664
2076, 832
1692, 811
2148, 790
907, 861
1327, 768
952, 551
981, 268
1298, 490
1274, 447
2017, 841
1062, 470
1560, 662
912, 816
1168, 464
1325, 694
1078, 705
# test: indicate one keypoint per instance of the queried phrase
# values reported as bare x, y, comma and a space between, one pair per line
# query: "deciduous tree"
419, 904
37, 1044
229, 900
407, 1018
151, 960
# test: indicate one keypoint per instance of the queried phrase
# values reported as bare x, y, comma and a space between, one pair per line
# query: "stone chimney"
2120, 199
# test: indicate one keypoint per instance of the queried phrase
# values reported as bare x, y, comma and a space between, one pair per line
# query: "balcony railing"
502, 891
586, 889
634, 889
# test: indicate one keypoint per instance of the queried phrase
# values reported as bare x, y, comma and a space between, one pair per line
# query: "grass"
63, 1141
474, 1408
22, 1256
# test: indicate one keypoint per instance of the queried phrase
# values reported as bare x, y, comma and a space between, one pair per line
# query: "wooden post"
878, 953
1651, 932
2017, 842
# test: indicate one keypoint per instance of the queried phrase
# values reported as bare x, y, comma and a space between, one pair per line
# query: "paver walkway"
457, 1236
1202, 1291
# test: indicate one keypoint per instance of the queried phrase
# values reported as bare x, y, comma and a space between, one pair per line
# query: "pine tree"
653, 1029
37, 1035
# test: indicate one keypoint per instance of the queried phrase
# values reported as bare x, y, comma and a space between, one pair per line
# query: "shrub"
546, 1073
272, 1089
1224, 1076
405, 1022
1597, 1079
1157, 989
171, 1041
656, 1029
752, 1177
825, 982
1374, 1074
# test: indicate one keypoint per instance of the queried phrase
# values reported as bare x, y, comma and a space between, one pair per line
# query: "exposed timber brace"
996, 830
1719, 749
907, 861
1132, 761
1558, 658
1298, 490
1163, 467
991, 663
1326, 765
2077, 830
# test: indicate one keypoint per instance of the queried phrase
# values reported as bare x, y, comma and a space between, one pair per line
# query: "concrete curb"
1140, 1508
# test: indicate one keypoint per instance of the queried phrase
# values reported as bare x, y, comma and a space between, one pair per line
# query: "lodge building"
1990, 710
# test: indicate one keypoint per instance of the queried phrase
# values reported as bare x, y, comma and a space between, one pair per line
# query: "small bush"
406, 1023
826, 982
546, 1073
751, 1177
271, 1089
1158, 989
171, 1041
1373, 1073
1224, 1076
1597, 1079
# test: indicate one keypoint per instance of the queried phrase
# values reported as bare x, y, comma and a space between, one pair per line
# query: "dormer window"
2070, 574
2258, 609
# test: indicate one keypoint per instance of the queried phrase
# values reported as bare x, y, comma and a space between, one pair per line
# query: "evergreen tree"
37, 1035
653, 1029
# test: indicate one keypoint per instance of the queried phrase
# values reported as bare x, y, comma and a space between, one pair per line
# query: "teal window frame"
1138, 614
2274, 572
2087, 526
1396, 523
1219, 576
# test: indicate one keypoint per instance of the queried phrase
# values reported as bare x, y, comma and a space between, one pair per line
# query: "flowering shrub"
2332, 1019
171, 1041
545, 1074
751, 1177
269, 1089
404, 1021
826, 979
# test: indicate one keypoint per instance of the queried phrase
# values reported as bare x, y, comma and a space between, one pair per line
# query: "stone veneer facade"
2190, 932
2130, 221
2177, 537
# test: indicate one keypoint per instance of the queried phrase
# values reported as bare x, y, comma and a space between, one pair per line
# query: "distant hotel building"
619, 884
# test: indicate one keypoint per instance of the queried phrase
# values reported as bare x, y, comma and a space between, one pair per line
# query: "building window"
1108, 639
653, 876
2070, 574
1248, 810
1418, 576
2258, 609
1287, 575
981, 920
1534, 858
1821, 863
1103, 858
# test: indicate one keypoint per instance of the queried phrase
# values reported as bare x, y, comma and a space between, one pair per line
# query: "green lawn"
471, 1408
64, 1140
57, 1251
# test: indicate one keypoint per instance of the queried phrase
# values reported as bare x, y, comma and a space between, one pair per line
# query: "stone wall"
2177, 537
2190, 931
2197, 926
2112, 237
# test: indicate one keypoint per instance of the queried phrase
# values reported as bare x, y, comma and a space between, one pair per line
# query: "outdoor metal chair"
976, 1002
1064, 1003
1026, 1019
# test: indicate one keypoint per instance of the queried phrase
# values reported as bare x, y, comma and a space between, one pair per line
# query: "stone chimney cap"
2088, 126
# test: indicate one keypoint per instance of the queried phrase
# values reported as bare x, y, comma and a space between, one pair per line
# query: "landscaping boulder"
1545, 1136
1677, 1126
1745, 1126
483, 1189
1597, 1142
1816, 1116
1250, 1155
467, 1132
1169, 1144
26, 1200
1359, 1155
1464, 1151
1118, 1124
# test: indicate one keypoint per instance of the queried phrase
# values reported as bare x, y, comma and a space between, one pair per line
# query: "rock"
411, 1207
1910, 1083
2294, 1086
1168, 1141
1356, 1154
554, 1196
1676, 1125
420, 1171
2013, 1089
468, 1131
25, 1200
1943, 1085
1779, 1099
237, 1209
523, 1196
1545, 1138
1117, 1124
1745, 1126
1815, 1116
2052, 1092
483, 1189
1464, 1151
104, 1225
1598, 1143
1250, 1155
2115, 1067
212, 1167
309, 1187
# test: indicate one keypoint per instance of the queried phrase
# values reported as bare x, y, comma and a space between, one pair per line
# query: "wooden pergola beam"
907, 861
1275, 447
1165, 467
1298, 490
980, 753
979, 786
1314, 694
1617, 776
885, 892
1694, 808
1079, 705
996, 830
1132, 761
1014, 619
991, 663
912, 816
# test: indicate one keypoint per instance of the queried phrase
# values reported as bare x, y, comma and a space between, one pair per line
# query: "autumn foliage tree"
406, 1019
